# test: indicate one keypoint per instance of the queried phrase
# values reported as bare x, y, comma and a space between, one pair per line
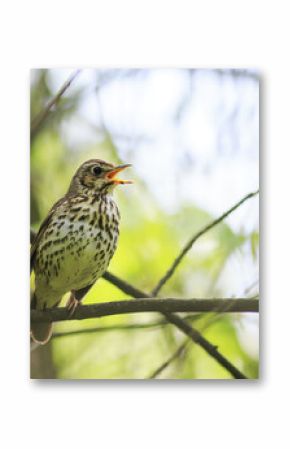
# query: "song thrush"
76, 241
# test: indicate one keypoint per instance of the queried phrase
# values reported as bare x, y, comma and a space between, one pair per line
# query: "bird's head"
97, 176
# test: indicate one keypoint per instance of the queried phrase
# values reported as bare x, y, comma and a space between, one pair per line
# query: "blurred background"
192, 136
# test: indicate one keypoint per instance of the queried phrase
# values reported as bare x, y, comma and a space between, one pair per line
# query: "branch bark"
181, 324
169, 305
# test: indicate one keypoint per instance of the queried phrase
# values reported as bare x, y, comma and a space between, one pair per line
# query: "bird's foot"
72, 304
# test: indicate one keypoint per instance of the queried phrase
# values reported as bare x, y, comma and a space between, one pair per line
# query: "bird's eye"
97, 170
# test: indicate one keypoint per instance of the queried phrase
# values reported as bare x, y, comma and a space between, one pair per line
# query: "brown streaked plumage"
76, 241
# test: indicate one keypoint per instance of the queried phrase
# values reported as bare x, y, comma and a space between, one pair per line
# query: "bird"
76, 241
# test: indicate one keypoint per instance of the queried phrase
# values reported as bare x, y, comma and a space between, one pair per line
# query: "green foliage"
150, 239
254, 243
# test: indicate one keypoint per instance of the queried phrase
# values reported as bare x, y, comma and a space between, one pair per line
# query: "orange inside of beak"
112, 173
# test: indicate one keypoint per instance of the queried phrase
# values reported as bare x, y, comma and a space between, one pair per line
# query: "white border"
132, 33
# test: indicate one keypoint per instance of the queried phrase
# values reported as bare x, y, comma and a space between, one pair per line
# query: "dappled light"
189, 226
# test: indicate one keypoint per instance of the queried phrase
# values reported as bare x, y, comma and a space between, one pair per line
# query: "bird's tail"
39, 332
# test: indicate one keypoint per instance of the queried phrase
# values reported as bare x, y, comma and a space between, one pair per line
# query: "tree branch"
41, 117
182, 325
146, 305
188, 246
127, 288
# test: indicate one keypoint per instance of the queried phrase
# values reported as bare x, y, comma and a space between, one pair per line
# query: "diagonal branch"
181, 324
41, 117
182, 348
211, 349
146, 305
188, 246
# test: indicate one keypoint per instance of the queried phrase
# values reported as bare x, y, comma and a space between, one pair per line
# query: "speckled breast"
78, 245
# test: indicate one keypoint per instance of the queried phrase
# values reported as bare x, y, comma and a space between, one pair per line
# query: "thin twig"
179, 351
188, 246
41, 117
123, 327
117, 327
250, 287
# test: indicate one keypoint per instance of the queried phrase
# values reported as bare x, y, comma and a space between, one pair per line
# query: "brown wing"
70, 199
42, 230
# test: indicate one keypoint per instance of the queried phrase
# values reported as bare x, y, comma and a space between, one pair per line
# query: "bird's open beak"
112, 173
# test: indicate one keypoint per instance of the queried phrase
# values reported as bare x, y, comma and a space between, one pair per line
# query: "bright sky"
209, 157
192, 139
